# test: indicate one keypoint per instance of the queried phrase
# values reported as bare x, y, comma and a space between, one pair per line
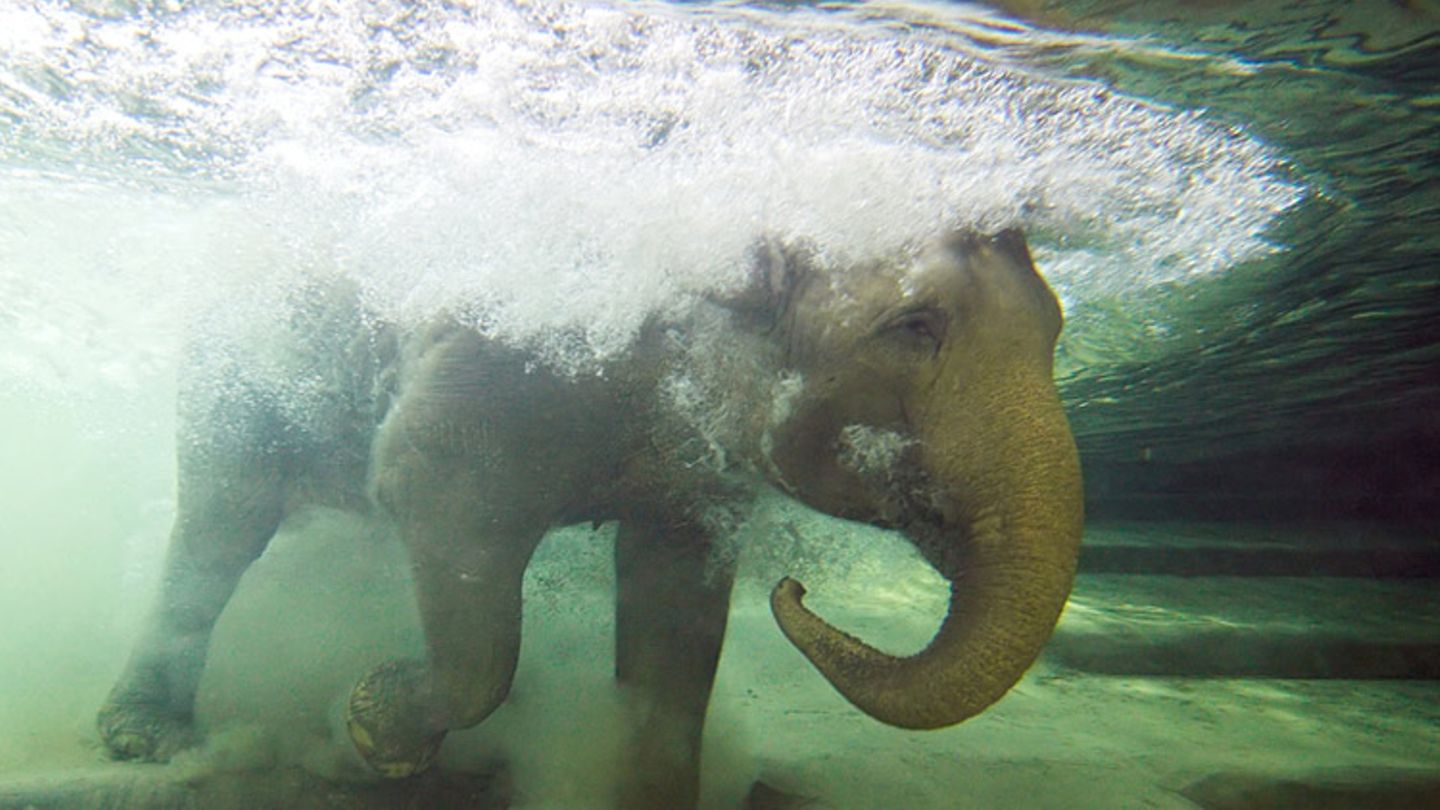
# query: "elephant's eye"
921, 328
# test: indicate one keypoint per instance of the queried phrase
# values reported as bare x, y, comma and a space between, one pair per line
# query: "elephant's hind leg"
233, 473
672, 606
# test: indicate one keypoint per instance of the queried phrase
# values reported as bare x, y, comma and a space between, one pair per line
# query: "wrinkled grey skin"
914, 393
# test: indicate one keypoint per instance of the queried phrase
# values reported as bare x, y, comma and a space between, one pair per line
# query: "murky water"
1236, 207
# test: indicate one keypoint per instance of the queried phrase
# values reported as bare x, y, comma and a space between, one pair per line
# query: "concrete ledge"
1251, 627
160, 787
1381, 789
1244, 653
1354, 550
1232, 561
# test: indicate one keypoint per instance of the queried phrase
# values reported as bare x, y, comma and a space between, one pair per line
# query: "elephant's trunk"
1008, 538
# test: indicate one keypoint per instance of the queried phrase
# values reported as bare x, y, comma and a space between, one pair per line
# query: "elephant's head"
928, 405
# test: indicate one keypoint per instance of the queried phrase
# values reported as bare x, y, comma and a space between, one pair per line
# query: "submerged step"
1244, 653
1250, 628
1382, 563
173, 787
1188, 549
1358, 789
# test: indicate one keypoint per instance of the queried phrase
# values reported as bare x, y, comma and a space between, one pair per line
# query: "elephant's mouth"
886, 464
909, 500
921, 512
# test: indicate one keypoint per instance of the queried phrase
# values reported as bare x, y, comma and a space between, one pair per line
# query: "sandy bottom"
329, 599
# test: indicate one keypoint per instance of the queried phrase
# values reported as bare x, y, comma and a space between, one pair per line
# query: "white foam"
557, 172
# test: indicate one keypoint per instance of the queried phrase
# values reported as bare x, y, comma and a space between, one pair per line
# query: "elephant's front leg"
468, 562
673, 602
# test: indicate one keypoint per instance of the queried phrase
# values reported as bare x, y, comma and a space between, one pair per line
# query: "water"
1237, 211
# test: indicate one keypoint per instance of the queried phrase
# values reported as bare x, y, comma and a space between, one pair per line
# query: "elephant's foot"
136, 728
663, 772
387, 719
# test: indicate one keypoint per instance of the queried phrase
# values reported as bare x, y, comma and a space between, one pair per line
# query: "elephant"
913, 392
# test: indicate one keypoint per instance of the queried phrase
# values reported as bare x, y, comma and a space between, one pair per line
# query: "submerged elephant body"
913, 394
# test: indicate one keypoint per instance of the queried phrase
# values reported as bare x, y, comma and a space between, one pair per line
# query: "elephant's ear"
773, 273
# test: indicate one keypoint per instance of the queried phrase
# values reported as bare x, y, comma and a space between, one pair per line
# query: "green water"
1237, 205
1333, 335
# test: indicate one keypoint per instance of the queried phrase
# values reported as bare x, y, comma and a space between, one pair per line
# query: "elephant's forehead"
880, 287
853, 302
872, 283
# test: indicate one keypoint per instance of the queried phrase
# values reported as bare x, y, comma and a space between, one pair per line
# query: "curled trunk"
1008, 545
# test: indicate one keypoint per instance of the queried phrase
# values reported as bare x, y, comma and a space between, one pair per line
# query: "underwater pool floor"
1157, 692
